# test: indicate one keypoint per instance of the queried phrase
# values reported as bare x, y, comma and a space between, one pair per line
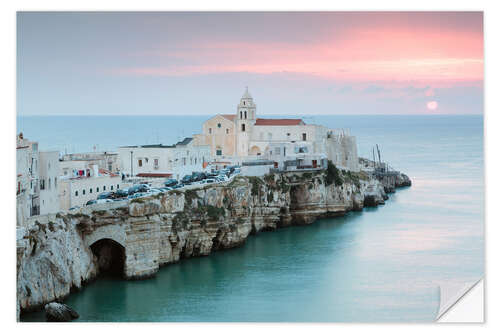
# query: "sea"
383, 264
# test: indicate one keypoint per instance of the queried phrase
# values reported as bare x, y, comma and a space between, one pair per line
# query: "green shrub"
256, 182
190, 195
333, 175
215, 213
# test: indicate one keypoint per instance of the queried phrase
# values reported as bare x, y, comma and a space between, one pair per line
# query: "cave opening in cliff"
110, 257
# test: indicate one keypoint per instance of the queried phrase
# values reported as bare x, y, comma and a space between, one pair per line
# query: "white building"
49, 187
290, 156
241, 137
161, 161
82, 181
105, 160
27, 189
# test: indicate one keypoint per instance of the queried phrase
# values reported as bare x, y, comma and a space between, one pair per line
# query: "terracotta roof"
154, 175
229, 116
278, 122
107, 172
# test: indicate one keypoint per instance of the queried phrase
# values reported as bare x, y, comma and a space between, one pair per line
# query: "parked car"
137, 195
99, 201
178, 186
222, 178
120, 193
165, 189
198, 176
170, 182
212, 174
207, 181
74, 208
187, 179
91, 202
138, 188
105, 195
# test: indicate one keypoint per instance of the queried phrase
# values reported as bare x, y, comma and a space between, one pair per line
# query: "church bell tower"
245, 120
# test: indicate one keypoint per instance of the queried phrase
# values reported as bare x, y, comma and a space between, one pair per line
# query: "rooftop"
160, 145
229, 116
278, 122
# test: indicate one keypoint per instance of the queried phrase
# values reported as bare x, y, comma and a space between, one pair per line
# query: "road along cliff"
58, 254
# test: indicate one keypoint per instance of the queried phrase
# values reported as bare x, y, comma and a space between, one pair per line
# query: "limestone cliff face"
155, 231
52, 259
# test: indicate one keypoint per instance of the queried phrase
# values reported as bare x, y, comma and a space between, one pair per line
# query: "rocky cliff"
58, 253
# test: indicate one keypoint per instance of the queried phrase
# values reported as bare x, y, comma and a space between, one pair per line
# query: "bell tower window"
243, 127
241, 115
245, 115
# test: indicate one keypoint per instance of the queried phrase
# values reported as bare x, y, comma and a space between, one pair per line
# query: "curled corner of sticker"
450, 294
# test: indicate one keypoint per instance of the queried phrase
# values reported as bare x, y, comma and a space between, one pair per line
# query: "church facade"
242, 136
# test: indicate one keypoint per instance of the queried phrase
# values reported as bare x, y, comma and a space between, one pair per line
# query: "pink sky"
391, 52
402, 59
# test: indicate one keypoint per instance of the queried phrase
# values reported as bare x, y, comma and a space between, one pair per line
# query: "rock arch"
110, 256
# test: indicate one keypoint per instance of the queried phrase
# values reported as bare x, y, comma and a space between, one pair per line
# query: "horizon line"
268, 114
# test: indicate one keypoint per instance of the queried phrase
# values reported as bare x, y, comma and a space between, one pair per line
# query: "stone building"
164, 161
239, 137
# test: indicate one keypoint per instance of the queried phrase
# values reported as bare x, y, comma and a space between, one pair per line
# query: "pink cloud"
398, 53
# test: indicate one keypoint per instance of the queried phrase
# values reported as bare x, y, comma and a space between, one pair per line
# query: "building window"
243, 102
110, 166
209, 131
183, 161
241, 115
42, 184
304, 137
288, 135
76, 193
277, 150
83, 192
111, 187
227, 130
90, 190
18, 187
117, 186
104, 188
49, 182
219, 125
97, 189
156, 163
218, 152
245, 115
55, 182
140, 162
243, 127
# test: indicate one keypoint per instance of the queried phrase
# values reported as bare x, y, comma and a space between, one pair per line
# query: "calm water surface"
382, 264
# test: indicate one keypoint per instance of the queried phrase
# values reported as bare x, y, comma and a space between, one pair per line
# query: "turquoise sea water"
382, 264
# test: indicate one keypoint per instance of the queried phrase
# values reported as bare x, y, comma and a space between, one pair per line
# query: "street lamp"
131, 164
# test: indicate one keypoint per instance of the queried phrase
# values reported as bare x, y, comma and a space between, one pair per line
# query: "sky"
192, 63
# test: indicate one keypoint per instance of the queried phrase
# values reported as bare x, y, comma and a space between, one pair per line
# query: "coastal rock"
374, 195
59, 312
58, 253
402, 180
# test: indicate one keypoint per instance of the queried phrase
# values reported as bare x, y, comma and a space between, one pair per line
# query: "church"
242, 136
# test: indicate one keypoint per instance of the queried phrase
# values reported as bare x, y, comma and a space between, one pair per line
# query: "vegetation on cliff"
333, 175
